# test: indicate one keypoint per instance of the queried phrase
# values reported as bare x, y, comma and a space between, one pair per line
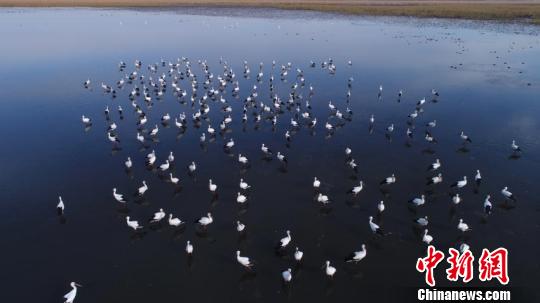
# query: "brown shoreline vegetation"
506, 10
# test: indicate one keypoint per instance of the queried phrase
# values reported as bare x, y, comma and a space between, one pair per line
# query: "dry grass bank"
523, 10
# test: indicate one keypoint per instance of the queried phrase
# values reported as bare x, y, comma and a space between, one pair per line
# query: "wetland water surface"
488, 77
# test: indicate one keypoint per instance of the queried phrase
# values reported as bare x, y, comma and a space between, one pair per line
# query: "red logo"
460, 266
490, 265
494, 265
428, 263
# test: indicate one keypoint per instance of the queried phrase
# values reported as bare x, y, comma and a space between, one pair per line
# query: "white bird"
460, 183
211, 186
240, 227
140, 138
171, 157
348, 151
515, 147
173, 180
177, 123
287, 275
265, 149
435, 165
357, 255
507, 194
189, 248
418, 201
323, 198
174, 221
390, 128
165, 165
143, 121
298, 254
287, 136
429, 138
118, 197
465, 138
374, 227
389, 180
464, 247
241, 198
422, 221
204, 221
380, 206
462, 226
152, 154
330, 270
158, 216
294, 123
285, 240
281, 157
331, 106
313, 122
70, 296
152, 159
112, 126
357, 189
192, 167
86, 120
244, 261
60, 206
244, 185
478, 177
242, 159
487, 205
456, 199
372, 119
328, 126
112, 137
436, 179
229, 144
427, 238
128, 163
316, 183
133, 224
143, 188
154, 131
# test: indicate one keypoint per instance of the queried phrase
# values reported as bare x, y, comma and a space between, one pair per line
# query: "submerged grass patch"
523, 12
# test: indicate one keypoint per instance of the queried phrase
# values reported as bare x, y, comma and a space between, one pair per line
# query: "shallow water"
488, 76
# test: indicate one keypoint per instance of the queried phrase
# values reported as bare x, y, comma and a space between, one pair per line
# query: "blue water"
488, 76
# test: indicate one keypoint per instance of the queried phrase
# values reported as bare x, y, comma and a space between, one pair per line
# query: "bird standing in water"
70, 296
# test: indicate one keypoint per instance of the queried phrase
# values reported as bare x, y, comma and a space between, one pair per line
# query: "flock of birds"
144, 90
